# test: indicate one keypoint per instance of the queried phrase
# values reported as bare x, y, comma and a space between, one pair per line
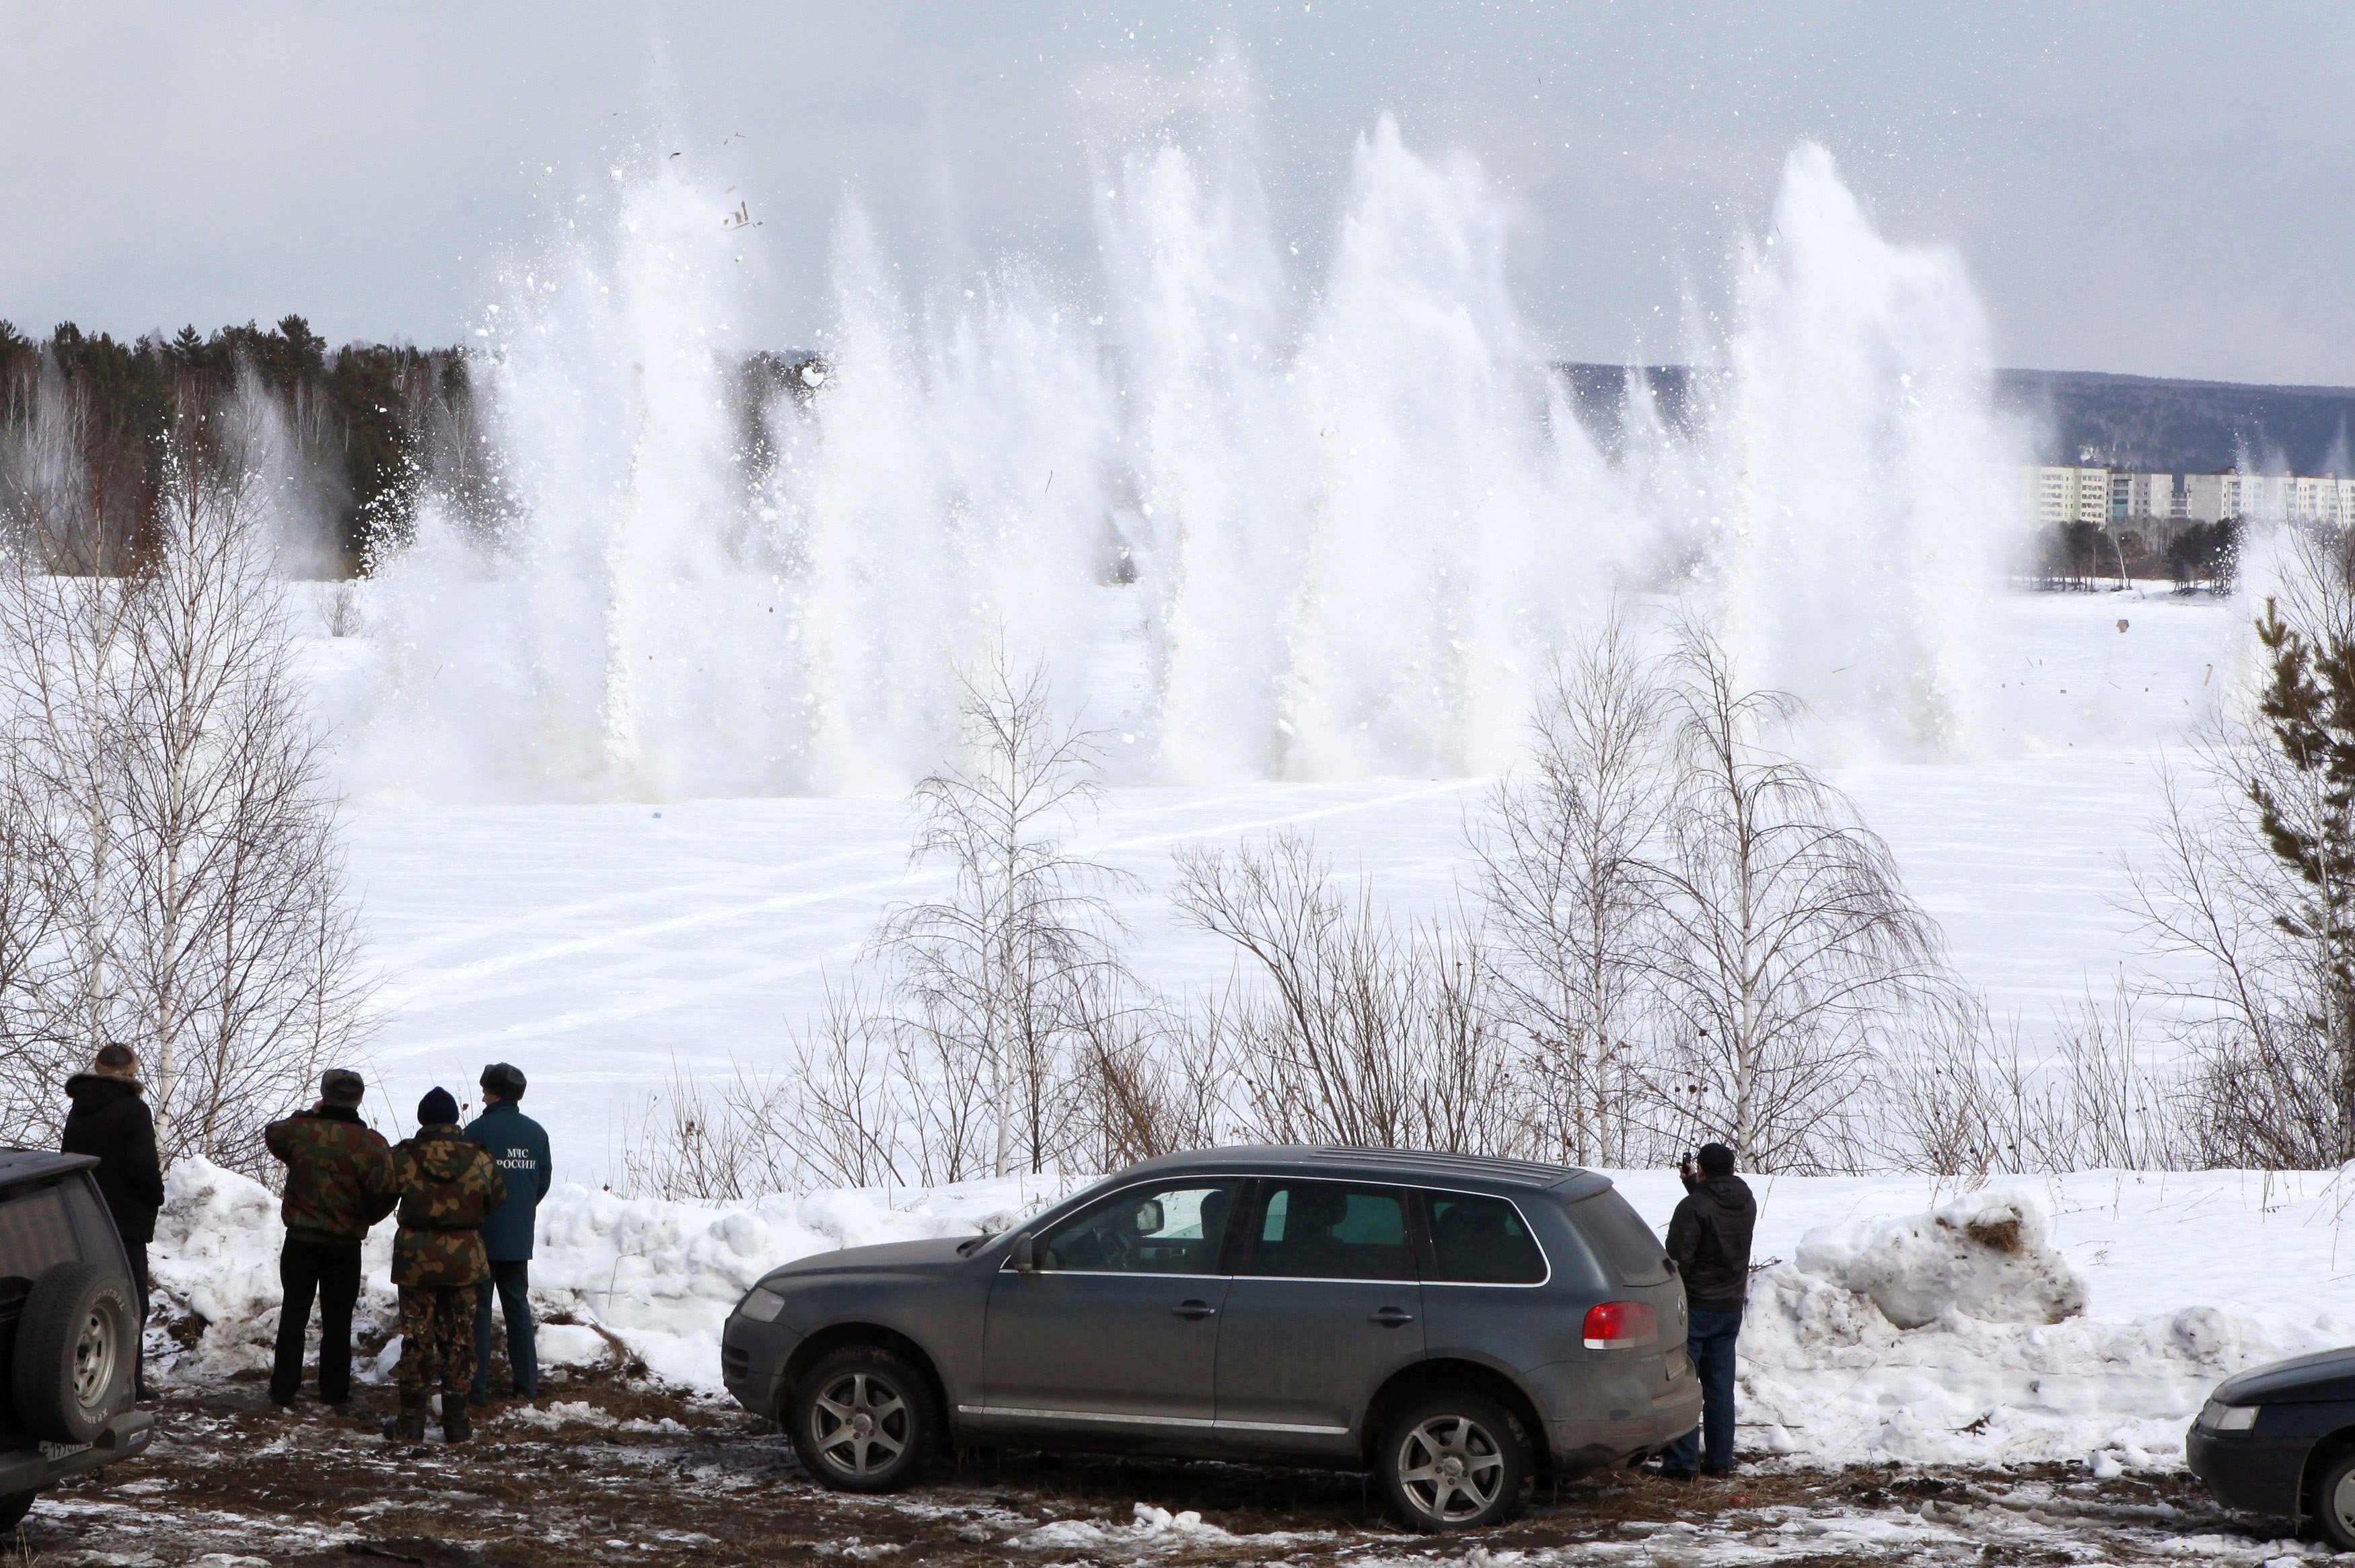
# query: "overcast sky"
2136, 185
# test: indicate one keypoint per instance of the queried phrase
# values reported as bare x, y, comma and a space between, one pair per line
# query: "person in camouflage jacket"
339, 1181
447, 1185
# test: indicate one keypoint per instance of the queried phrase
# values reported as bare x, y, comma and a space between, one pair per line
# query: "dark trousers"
332, 1270
138, 1257
1710, 1339
513, 1283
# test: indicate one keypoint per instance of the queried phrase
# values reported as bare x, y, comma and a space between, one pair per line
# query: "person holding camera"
1709, 1237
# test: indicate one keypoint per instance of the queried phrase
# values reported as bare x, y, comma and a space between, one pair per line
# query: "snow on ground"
601, 948
2094, 1322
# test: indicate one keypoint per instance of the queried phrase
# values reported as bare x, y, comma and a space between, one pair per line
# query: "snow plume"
1265, 526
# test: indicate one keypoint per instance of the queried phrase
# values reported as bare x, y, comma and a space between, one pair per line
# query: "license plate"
63, 1450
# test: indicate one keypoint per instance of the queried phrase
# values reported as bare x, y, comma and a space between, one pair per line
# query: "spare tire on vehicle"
76, 1352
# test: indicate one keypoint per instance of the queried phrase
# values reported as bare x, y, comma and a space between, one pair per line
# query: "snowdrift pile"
1961, 1335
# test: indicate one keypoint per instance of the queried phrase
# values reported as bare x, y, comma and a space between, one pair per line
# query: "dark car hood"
936, 1254
2325, 1375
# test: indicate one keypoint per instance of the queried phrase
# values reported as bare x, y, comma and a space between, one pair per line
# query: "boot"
457, 1421
409, 1427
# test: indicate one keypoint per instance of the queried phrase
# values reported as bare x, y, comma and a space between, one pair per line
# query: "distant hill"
2086, 416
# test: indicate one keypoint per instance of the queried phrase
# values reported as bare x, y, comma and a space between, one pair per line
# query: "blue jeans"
513, 1283
1710, 1341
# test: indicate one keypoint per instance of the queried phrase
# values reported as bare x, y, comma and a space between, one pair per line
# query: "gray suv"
1455, 1325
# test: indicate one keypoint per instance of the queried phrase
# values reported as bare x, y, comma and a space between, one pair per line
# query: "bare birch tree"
1016, 969
1788, 958
1562, 870
172, 796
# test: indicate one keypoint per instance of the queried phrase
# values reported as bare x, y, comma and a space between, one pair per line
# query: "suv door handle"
1391, 1316
1196, 1310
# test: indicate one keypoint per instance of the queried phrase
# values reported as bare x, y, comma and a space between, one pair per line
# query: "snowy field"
600, 946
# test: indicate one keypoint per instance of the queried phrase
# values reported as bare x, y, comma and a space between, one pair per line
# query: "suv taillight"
1621, 1326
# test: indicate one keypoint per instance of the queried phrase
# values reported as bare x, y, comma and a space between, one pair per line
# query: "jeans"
137, 1252
332, 1270
513, 1282
1710, 1341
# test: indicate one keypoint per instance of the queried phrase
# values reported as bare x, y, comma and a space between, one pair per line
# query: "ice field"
601, 946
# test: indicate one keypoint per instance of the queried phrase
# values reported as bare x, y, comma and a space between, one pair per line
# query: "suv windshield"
1619, 1234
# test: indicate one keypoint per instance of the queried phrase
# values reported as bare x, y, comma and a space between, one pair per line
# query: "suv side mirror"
1023, 1256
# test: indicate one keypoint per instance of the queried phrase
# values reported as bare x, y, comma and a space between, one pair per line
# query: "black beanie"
1716, 1159
437, 1109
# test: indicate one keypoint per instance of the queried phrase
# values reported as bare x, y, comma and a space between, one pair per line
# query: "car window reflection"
1145, 1230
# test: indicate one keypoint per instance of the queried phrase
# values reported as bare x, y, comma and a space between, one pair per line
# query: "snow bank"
615, 1280
1961, 1337
2085, 1316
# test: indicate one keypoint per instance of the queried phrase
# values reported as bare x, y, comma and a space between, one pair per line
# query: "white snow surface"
1879, 1327
602, 947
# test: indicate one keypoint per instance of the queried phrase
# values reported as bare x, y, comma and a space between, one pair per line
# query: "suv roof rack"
1491, 1166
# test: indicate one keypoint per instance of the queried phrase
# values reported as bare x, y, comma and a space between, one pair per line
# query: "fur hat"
504, 1081
116, 1060
437, 1109
342, 1086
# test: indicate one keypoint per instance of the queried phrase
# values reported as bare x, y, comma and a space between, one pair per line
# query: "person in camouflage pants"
447, 1185
339, 1181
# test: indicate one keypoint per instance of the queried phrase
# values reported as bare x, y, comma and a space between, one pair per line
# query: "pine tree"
2306, 812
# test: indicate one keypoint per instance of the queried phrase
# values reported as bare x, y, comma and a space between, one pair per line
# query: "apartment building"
2117, 497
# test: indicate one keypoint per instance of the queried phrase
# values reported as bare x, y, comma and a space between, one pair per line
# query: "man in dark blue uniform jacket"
519, 1145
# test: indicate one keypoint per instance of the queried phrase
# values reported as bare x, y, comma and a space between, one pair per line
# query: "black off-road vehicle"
68, 1330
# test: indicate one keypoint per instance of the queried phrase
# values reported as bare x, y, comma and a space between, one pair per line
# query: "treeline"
88, 415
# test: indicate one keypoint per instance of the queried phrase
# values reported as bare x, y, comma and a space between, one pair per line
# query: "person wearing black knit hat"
520, 1146
1709, 1237
447, 1185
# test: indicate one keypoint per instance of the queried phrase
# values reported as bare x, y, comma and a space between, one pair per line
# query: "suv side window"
37, 1233
1482, 1241
1177, 1229
1619, 1234
1330, 1230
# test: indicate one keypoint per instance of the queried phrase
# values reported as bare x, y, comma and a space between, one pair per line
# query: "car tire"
77, 1350
1452, 1461
862, 1420
2334, 1502
14, 1507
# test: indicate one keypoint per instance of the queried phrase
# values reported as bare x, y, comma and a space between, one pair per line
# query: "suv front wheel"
1452, 1461
861, 1419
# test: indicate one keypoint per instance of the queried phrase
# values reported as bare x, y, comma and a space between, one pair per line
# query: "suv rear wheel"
1452, 1461
76, 1352
862, 1420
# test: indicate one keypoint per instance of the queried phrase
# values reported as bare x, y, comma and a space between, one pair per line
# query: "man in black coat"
110, 1120
1709, 1238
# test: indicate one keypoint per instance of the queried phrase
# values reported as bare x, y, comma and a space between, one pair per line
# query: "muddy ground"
614, 1472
